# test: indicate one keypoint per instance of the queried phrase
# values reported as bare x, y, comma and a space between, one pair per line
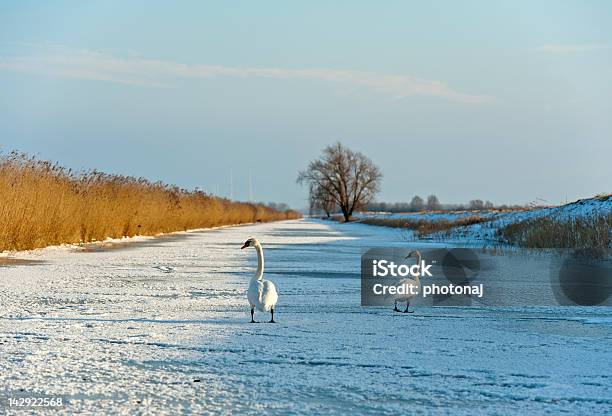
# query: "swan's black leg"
253, 313
395, 309
272, 321
406, 310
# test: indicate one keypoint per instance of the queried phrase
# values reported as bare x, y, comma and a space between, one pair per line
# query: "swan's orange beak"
245, 245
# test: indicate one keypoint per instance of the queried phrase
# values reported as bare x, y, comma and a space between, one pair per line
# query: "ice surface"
162, 327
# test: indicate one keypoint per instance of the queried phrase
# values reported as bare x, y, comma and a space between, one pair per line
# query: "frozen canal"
162, 327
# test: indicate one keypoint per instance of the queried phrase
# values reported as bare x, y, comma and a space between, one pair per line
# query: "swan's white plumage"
261, 293
415, 283
408, 295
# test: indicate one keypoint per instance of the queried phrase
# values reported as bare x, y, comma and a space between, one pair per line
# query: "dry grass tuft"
424, 227
577, 233
44, 204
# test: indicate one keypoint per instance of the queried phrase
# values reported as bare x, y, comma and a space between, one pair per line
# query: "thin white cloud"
570, 48
92, 65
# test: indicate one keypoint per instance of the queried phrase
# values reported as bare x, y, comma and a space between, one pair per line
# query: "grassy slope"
584, 223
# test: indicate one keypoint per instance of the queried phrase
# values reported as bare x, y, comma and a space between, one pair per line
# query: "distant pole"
231, 195
250, 185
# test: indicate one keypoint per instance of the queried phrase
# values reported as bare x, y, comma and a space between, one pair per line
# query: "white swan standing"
415, 283
261, 293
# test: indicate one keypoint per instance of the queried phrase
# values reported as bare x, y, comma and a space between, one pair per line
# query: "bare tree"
433, 203
417, 203
279, 206
320, 200
476, 204
349, 178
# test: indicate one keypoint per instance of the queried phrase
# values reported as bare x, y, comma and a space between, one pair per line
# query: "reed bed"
424, 227
42, 204
593, 232
590, 232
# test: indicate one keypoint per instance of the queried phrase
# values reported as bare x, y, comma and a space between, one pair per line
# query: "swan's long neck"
260, 263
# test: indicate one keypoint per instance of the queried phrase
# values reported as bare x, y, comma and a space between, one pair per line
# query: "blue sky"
507, 101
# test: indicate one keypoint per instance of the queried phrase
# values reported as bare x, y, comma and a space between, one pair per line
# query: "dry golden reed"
576, 233
44, 204
425, 227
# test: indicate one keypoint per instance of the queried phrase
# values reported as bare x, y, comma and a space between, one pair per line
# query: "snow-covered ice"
161, 326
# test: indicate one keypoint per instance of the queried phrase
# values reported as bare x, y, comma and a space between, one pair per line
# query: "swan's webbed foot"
406, 310
395, 309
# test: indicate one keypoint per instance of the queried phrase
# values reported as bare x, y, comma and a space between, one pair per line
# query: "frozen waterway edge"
114, 333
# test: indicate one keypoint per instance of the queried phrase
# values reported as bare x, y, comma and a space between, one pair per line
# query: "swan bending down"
261, 293
415, 283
